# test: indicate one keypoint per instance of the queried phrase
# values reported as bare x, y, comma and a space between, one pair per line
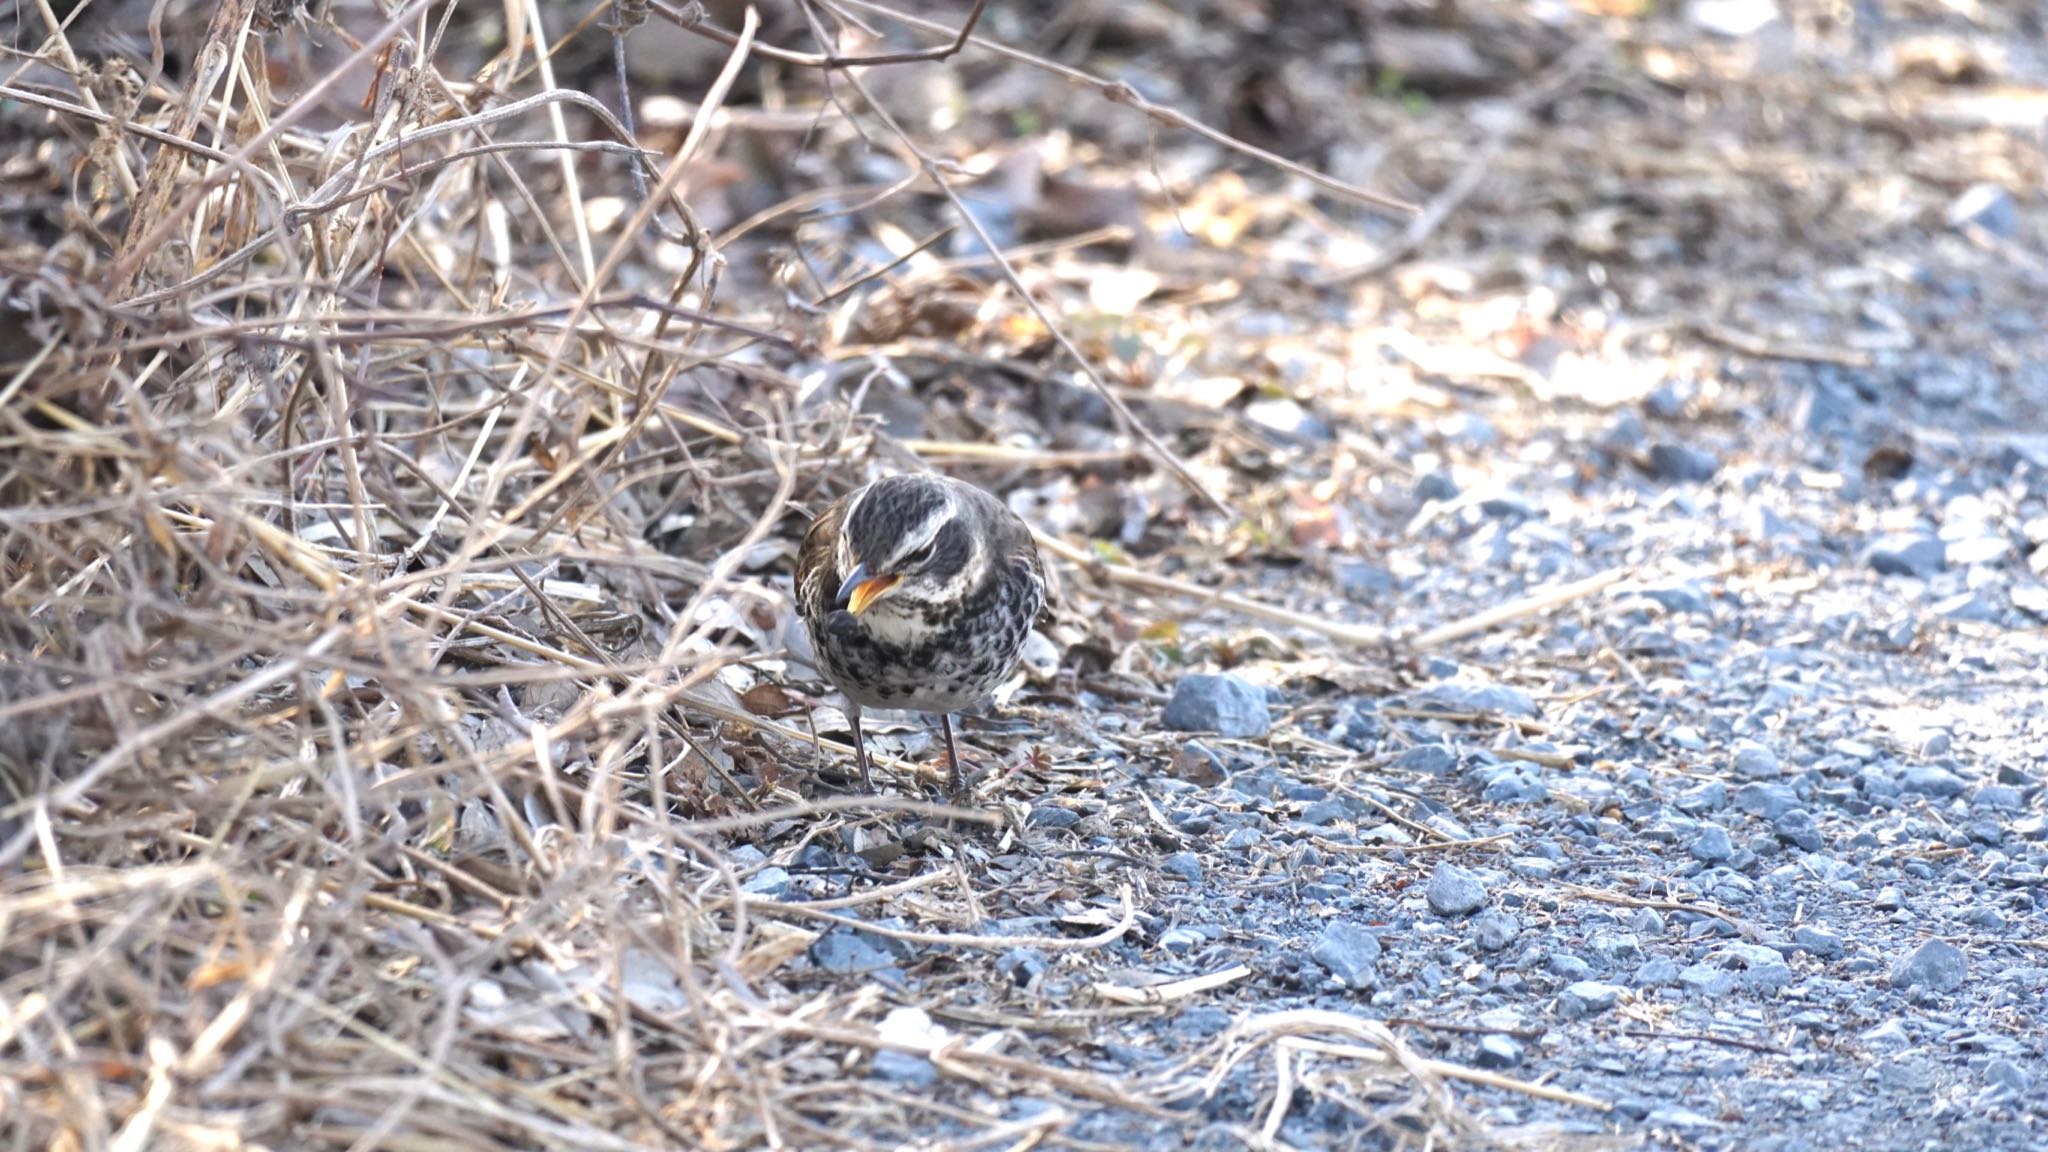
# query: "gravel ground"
1749, 849
419, 800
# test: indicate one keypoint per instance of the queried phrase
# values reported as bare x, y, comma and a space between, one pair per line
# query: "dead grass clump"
391, 461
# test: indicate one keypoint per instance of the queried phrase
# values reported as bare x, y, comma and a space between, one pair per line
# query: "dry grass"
371, 777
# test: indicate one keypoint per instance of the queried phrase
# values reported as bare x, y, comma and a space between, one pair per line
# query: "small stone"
1761, 967
1988, 206
1707, 980
1242, 838
1769, 801
1654, 972
1682, 464
1648, 923
1428, 759
1937, 965
1888, 899
770, 882
1974, 550
1494, 930
904, 1068
846, 952
1224, 704
1022, 965
1965, 606
1324, 813
1436, 486
1615, 947
1052, 816
1497, 1051
1684, 598
1712, 845
1702, 798
1455, 891
2031, 598
1287, 419
1348, 952
1999, 798
1515, 784
1510, 508
1754, 761
1928, 780
2002, 1073
1797, 827
1185, 865
1363, 582
1733, 19
1475, 696
1915, 554
1587, 997
1568, 966
1624, 434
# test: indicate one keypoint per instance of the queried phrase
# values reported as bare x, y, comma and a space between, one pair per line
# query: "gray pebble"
1324, 813
1368, 583
770, 882
1707, 980
1185, 865
1684, 598
1586, 997
2008, 1075
1936, 965
1817, 940
1455, 891
1712, 845
1769, 801
1656, 971
1754, 761
1682, 463
845, 952
1497, 1051
1241, 838
1348, 952
1428, 759
1796, 827
1568, 966
1929, 780
904, 1068
1702, 798
1475, 696
1022, 965
1494, 930
1986, 205
1225, 704
1917, 554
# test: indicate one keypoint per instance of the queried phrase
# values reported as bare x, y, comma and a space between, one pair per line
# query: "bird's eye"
919, 558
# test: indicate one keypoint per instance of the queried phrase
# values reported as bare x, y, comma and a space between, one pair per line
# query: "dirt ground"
1550, 503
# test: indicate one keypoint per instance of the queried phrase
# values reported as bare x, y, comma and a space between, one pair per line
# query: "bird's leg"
952, 757
860, 746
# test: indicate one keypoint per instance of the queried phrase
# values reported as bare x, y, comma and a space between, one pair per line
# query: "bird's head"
908, 543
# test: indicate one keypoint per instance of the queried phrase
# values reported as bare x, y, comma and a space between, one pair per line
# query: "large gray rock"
1225, 705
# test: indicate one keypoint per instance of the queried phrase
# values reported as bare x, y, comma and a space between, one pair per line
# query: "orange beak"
859, 589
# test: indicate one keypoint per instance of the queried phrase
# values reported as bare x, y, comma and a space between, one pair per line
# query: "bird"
918, 591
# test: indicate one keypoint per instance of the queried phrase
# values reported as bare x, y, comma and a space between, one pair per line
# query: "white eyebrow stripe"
925, 532
845, 557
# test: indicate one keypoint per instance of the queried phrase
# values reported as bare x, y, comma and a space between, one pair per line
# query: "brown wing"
817, 563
